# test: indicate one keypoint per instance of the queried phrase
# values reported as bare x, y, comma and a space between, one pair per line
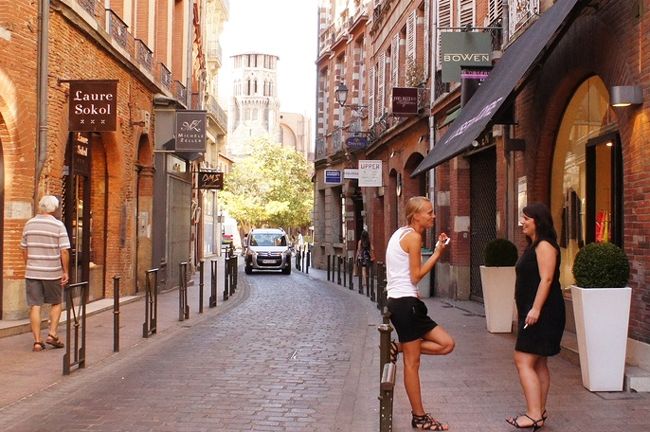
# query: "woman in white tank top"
418, 334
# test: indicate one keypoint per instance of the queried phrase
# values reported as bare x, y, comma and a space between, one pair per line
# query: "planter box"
499, 297
602, 316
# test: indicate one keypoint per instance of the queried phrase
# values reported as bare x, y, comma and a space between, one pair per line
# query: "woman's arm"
412, 244
546, 260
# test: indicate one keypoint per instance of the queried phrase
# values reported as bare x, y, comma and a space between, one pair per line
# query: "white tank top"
398, 273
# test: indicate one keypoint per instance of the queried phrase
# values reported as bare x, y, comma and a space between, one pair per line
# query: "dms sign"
210, 180
92, 106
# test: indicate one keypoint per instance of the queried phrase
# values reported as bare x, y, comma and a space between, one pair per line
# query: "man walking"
45, 247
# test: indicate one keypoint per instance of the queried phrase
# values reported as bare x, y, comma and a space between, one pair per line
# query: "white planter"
498, 295
602, 316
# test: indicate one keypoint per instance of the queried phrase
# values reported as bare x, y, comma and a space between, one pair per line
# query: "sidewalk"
23, 372
476, 387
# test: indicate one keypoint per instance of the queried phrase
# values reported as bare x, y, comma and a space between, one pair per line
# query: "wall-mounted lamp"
622, 96
341, 94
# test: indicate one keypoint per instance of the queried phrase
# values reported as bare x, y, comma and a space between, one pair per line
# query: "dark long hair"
365, 240
540, 213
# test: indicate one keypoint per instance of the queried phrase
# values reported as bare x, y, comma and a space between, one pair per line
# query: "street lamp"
341, 94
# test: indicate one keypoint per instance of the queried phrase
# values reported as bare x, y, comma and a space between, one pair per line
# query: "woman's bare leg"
530, 384
437, 342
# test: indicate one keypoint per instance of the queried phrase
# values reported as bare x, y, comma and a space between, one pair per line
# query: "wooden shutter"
394, 61
495, 9
466, 13
411, 25
371, 95
427, 42
381, 84
444, 22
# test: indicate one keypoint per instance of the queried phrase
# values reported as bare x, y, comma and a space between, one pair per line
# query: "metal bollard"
213, 283
338, 269
345, 271
371, 274
328, 267
116, 313
183, 307
387, 372
381, 286
201, 287
226, 277
350, 274
150, 303
308, 261
75, 319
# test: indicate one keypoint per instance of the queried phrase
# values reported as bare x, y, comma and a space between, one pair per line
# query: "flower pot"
498, 296
602, 316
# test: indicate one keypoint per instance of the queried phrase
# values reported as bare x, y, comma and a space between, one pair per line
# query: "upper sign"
93, 106
190, 131
405, 101
370, 173
463, 49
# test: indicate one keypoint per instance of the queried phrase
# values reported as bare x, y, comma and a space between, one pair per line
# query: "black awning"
508, 72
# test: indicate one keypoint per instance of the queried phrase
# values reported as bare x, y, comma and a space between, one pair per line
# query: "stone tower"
255, 107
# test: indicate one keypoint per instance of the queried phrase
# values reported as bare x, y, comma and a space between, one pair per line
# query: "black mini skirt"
409, 316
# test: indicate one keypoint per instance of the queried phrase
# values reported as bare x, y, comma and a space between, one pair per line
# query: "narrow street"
281, 360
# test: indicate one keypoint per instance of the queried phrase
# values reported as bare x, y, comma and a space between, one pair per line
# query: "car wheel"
286, 270
248, 269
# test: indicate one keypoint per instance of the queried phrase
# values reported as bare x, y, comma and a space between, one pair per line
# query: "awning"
507, 76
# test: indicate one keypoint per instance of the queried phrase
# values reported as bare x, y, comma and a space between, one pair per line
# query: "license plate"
268, 261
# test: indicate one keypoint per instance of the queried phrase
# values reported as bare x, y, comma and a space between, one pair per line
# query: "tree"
272, 187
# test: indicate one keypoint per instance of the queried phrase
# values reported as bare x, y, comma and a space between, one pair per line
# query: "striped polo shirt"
44, 236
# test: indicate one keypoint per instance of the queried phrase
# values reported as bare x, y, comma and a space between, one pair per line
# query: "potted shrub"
498, 282
601, 307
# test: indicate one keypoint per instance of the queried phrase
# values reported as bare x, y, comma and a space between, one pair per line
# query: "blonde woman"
417, 332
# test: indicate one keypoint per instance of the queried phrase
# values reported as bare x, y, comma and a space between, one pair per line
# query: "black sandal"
54, 341
394, 351
426, 422
38, 347
534, 425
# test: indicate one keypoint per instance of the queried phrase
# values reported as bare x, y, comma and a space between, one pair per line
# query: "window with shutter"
495, 9
394, 52
381, 85
444, 18
466, 13
427, 43
411, 23
371, 95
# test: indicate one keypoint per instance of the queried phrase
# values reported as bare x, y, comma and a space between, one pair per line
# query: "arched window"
586, 179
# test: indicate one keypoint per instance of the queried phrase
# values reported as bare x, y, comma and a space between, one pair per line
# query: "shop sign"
332, 176
356, 142
405, 101
211, 180
93, 106
351, 173
370, 173
190, 131
463, 49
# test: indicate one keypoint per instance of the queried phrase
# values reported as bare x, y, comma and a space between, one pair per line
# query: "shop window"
586, 180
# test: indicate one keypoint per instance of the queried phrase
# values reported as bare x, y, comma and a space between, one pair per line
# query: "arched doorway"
586, 179
2, 211
144, 208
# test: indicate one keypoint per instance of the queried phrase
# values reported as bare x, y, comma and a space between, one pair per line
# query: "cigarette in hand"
525, 326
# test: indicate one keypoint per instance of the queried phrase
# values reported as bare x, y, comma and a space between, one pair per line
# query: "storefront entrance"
482, 213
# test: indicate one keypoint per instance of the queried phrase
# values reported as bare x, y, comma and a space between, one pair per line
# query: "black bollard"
116, 313
201, 287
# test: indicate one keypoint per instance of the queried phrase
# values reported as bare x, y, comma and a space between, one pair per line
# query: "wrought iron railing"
215, 109
214, 51
321, 150
144, 55
179, 91
165, 76
521, 11
117, 28
337, 140
88, 5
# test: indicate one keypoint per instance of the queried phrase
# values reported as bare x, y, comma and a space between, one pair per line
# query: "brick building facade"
549, 126
107, 205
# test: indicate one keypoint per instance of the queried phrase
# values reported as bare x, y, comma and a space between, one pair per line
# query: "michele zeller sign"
463, 49
92, 106
190, 131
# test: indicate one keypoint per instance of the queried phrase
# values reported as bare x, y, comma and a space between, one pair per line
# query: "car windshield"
268, 239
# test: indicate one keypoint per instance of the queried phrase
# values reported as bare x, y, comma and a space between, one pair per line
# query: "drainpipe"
510, 160
41, 91
433, 45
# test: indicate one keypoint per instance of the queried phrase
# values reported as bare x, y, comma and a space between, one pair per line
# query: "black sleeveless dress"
543, 338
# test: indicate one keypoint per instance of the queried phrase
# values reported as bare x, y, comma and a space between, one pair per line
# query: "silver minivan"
267, 249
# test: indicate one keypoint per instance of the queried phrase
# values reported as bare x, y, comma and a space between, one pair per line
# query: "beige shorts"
39, 292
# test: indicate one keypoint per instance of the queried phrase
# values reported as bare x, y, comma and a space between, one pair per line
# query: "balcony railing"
337, 140
117, 28
144, 54
214, 51
165, 76
180, 92
321, 149
88, 5
520, 13
215, 109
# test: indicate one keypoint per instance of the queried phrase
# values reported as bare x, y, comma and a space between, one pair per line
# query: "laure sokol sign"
93, 106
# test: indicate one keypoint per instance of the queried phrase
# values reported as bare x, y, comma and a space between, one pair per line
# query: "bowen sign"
92, 106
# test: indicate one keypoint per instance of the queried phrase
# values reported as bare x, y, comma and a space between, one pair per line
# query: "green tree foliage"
270, 187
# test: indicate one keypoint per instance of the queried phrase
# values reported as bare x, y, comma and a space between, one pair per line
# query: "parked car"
267, 249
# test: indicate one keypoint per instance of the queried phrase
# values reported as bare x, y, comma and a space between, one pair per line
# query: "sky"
286, 28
